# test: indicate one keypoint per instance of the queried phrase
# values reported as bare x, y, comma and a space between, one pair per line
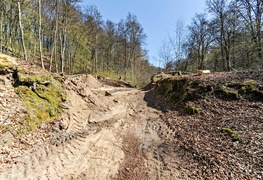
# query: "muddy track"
88, 142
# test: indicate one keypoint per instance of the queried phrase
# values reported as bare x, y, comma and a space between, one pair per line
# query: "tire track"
89, 138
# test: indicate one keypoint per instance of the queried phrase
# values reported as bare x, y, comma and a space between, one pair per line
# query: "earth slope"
211, 128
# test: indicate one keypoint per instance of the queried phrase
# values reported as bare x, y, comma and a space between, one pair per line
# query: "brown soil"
110, 132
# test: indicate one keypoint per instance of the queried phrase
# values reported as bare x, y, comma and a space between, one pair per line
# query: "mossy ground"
5, 64
186, 89
30, 76
42, 102
41, 93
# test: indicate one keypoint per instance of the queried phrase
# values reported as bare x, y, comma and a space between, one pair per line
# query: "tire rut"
89, 136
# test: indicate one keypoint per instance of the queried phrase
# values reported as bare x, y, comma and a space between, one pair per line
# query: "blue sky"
157, 17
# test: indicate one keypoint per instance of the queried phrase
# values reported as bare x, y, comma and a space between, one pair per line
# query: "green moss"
54, 95
59, 79
210, 90
5, 64
192, 110
29, 78
243, 90
43, 103
233, 134
247, 86
174, 89
181, 90
29, 124
205, 90
251, 84
226, 94
36, 105
233, 85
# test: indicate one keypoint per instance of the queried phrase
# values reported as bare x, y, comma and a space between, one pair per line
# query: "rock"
107, 93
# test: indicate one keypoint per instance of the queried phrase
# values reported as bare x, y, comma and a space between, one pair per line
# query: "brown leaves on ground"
133, 166
207, 151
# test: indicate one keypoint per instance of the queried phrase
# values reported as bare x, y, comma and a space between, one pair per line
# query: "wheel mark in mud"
163, 128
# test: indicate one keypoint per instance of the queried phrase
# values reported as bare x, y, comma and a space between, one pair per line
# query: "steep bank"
218, 123
30, 100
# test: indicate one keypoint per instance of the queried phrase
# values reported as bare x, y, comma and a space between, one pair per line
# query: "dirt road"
104, 133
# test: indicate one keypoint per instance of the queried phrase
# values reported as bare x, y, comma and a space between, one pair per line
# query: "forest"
227, 37
63, 37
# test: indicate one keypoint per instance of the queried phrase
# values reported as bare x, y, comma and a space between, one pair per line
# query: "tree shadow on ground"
157, 101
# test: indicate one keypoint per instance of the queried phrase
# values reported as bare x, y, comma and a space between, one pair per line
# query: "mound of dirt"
88, 80
115, 83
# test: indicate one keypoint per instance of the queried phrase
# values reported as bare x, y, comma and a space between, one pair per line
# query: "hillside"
79, 127
217, 123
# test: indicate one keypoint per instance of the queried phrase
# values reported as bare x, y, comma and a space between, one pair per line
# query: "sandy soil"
104, 133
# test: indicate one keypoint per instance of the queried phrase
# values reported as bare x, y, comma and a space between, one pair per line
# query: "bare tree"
251, 12
1, 30
21, 30
93, 20
220, 11
178, 42
200, 38
39, 33
136, 39
166, 55
54, 44
110, 42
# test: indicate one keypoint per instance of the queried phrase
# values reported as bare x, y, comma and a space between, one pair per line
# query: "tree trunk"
228, 63
62, 48
21, 30
96, 54
54, 48
258, 14
34, 55
39, 34
1, 32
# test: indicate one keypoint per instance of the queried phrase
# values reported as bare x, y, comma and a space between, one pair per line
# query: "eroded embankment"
104, 133
30, 99
217, 120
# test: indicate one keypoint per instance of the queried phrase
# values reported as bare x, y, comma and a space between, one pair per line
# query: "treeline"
61, 36
228, 37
